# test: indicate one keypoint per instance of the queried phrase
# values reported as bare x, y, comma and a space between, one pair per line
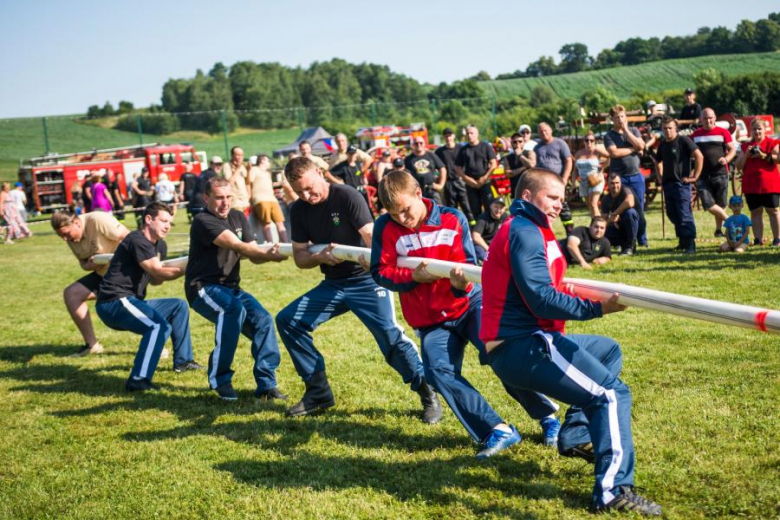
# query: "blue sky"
59, 57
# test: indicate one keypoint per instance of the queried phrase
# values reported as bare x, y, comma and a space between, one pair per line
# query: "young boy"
737, 228
444, 312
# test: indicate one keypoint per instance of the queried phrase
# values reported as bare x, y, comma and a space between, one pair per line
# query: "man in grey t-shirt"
624, 145
553, 154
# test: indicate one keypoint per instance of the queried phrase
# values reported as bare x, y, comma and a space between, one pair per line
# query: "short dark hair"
665, 121
612, 176
154, 209
297, 166
216, 182
598, 218
534, 179
303, 143
516, 135
262, 156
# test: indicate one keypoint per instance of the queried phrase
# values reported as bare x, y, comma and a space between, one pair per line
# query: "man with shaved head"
552, 153
718, 148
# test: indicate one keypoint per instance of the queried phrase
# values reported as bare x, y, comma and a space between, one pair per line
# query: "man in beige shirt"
304, 147
264, 203
235, 171
87, 235
340, 155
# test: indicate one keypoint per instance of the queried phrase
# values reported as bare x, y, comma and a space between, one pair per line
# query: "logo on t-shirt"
336, 218
240, 233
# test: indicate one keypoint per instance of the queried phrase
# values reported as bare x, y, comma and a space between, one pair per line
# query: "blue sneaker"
550, 428
497, 441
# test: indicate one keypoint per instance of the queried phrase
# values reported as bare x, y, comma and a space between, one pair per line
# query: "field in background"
75, 444
648, 77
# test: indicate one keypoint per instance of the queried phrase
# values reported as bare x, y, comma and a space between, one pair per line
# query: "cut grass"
75, 444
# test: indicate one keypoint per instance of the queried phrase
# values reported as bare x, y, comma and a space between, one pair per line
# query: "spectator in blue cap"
737, 228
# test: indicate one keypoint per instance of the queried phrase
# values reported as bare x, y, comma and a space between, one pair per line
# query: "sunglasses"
517, 141
419, 144
589, 140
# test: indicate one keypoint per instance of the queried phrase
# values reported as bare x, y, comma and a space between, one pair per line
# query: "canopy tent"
321, 141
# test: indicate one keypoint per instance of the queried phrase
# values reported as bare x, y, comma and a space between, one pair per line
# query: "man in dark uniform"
454, 188
333, 214
587, 245
691, 112
475, 164
427, 169
187, 184
219, 237
122, 304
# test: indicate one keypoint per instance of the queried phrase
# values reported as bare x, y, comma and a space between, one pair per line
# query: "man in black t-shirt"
187, 183
334, 214
691, 112
219, 237
427, 169
624, 215
487, 226
587, 245
454, 188
475, 164
675, 153
122, 304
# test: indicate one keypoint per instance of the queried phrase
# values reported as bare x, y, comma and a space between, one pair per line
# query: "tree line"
760, 36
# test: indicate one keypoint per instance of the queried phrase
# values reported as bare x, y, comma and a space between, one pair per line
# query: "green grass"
24, 138
75, 445
648, 77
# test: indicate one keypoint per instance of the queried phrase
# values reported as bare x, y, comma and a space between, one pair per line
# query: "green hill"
649, 77
24, 138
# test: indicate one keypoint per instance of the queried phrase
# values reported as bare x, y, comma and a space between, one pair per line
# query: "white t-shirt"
20, 198
164, 191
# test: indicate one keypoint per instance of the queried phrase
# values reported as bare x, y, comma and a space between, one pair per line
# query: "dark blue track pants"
155, 320
678, 209
236, 312
580, 370
637, 183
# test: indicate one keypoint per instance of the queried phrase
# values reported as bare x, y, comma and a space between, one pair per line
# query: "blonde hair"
395, 183
615, 110
61, 219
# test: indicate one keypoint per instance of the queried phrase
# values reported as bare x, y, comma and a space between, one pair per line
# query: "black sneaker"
719, 234
582, 451
189, 365
626, 251
432, 412
271, 394
317, 397
226, 392
140, 385
627, 500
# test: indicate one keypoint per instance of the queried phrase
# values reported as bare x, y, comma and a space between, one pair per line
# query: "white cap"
523, 127
216, 159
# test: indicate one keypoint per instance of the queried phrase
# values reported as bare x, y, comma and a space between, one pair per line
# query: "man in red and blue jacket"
444, 312
524, 312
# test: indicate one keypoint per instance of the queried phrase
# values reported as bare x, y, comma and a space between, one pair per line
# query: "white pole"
745, 316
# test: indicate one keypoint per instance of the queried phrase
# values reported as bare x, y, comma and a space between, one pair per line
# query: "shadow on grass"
25, 353
669, 260
439, 482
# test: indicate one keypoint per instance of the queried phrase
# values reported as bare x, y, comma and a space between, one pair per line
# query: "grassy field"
649, 77
75, 445
24, 138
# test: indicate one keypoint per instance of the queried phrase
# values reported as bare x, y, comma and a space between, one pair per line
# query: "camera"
754, 150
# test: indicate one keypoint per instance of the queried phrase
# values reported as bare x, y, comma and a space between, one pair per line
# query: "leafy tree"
767, 35
125, 107
719, 41
705, 78
745, 37
599, 99
541, 94
608, 58
544, 66
574, 58
481, 76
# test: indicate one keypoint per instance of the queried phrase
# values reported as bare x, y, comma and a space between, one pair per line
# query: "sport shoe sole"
583, 451
295, 411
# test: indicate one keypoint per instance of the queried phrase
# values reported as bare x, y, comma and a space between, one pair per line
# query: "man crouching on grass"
445, 312
120, 300
524, 313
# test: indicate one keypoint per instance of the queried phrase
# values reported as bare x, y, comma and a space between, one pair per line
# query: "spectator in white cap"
530, 144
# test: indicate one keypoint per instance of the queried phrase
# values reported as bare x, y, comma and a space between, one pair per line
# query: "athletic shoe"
432, 412
627, 500
758, 241
690, 249
86, 350
776, 242
226, 392
550, 428
497, 441
270, 395
719, 234
189, 365
140, 385
582, 451
626, 251
318, 396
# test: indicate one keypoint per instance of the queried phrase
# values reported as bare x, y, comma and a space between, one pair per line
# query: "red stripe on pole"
761, 320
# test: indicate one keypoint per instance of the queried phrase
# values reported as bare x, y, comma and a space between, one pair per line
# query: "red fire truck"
50, 179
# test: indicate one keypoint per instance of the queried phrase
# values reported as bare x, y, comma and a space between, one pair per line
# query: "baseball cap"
351, 149
398, 162
690, 91
735, 199
144, 169
216, 160
499, 200
524, 127
448, 131
386, 153
18, 184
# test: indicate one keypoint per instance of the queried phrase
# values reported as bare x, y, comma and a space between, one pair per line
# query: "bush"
158, 124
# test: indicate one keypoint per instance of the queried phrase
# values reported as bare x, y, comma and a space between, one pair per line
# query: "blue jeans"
627, 233
637, 183
678, 209
580, 370
237, 312
443, 347
372, 304
155, 320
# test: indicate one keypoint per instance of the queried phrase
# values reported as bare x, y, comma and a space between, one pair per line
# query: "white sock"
503, 428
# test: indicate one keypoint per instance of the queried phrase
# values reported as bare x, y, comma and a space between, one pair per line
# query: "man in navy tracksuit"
524, 312
219, 237
445, 312
337, 214
121, 300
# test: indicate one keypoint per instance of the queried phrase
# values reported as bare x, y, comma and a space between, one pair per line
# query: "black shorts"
714, 190
91, 282
762, 200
